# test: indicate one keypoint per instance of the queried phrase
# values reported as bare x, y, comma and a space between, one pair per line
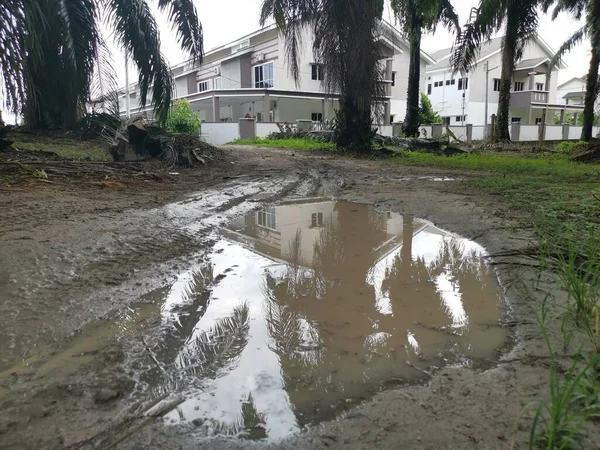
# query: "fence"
219, 133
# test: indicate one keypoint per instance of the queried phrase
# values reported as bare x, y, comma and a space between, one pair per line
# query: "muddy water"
295, 313
303, 309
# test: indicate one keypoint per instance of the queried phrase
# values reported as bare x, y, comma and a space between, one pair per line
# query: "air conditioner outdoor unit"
243, 45
218, 70
258, 57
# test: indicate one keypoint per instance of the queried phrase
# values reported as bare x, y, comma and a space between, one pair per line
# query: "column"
562, 116
266, 107
324, 109
216, 109
469, 133
515, 131
387, 113
565, 131
532, 80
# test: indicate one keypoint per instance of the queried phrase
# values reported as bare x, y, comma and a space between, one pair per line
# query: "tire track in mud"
75, 284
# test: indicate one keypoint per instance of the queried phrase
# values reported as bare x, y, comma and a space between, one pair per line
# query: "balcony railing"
525, 98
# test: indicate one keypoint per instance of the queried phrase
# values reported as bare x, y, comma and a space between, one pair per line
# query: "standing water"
304, 308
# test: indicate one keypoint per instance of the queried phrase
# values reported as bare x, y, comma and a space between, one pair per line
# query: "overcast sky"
228, 20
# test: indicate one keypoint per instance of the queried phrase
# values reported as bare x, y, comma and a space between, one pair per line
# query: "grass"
560, 199
77, 150
293, 144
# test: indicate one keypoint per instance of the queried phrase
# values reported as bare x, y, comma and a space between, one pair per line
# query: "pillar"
266, 107
575, 117
387, 113
247, 128
532, 80
437, 129
562, 116
469, 133
515, 131
565, 131
388, 73
216, 109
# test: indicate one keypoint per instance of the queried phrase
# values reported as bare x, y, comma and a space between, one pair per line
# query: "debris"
164, 406
591, 155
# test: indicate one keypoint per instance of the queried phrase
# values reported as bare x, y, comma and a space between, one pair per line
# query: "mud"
104, 289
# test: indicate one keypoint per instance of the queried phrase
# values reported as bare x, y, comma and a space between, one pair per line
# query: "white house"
250, 76
572, 92
460, 98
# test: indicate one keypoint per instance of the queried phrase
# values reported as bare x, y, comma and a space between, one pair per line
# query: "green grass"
67, 148
293, 144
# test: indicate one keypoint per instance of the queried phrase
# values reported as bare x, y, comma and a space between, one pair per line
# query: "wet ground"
281, 301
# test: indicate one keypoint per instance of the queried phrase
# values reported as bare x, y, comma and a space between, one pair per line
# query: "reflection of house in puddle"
318, 301
290, 231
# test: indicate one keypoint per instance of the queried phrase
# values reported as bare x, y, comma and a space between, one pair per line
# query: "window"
496, 84
519, 86
429, 89
515, 120
259, 117
461, 118
463, 84
447, 82
316, 117
263, 75
539, 86
538, 121
316, 220
267, 218
316, 72
452, 82
392, 118
446, 120
393, 78
204, 86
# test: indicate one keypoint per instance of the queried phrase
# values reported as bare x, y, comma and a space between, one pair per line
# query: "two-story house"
461, 98
250, 77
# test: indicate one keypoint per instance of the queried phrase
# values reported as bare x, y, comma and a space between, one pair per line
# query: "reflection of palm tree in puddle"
350, 339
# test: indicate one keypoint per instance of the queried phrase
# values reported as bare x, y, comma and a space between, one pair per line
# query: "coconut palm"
519, 21
415, 18
591, 29
52, 54
345, 43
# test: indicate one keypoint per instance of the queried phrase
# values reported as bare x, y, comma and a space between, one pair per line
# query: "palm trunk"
508, 66
354, 126
591, 89
411, 122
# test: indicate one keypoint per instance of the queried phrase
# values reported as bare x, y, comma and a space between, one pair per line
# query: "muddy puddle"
303, 309
300, 311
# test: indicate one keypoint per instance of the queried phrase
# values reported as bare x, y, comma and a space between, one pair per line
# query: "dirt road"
77, 260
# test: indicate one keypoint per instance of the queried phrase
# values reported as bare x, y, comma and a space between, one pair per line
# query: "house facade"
572, 92
250, 77
461, 98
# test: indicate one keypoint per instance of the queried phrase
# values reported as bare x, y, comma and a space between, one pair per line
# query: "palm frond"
574, 40
184, 18
137, 32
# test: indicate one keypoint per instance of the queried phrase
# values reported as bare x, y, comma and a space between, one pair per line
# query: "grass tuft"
293, 144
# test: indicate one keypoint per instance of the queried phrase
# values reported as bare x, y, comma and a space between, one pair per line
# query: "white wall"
263, 129
398, 109
553, 133
459, 132
219, 133
447, 100
529, 133
230, 74
385, 130
181, 87
290, 109
425, 131
575, 133
478, 133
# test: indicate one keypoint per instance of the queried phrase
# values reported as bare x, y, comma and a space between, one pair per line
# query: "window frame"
520, 84
316, 72
393, 78
463, 84
205, 82
515, 120
498, 82
538, 88
261, 84
313, 115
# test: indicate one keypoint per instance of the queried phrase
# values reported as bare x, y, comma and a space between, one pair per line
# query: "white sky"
228, 20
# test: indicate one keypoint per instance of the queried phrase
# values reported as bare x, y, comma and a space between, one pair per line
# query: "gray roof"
574, 94
530, 63
486, 49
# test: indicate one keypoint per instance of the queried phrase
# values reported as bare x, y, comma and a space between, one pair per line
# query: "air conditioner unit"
218, 70
258, 57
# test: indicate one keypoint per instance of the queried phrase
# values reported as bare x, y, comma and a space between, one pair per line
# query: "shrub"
570, 147
183, 119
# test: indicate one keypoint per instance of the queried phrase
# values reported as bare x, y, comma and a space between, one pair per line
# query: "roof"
577, 94
580, 79
531, 63
488, 49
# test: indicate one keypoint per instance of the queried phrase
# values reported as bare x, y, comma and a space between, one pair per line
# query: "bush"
183, 119
571, 147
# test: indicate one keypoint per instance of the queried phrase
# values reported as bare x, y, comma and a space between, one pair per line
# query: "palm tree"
416, 17
345, 43
52, 53
591, 29
519, 20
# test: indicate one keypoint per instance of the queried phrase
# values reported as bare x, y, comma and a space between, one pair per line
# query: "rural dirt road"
80, 260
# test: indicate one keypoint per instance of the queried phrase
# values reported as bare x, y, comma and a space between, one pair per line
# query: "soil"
77, 253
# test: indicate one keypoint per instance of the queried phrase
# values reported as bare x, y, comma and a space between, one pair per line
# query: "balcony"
523, 99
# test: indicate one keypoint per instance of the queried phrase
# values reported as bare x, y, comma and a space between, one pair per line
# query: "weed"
67, 148
292, 143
